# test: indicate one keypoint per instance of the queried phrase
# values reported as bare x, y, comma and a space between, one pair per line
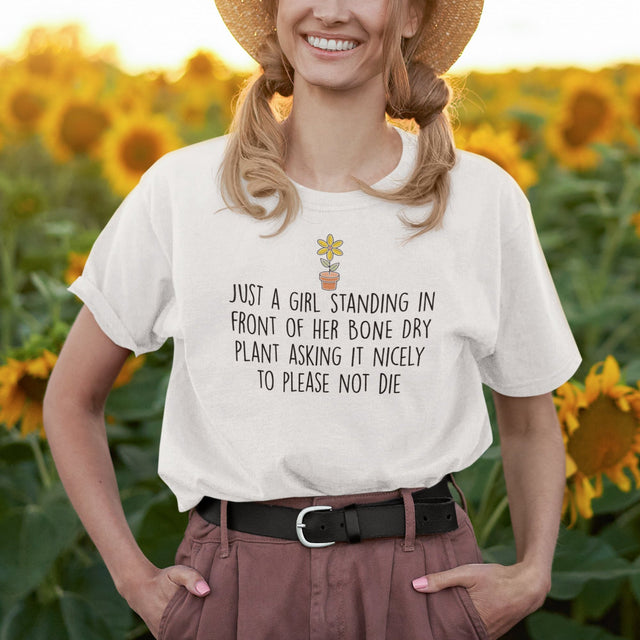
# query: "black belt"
323, 525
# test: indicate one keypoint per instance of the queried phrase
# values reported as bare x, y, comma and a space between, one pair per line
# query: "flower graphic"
330, 248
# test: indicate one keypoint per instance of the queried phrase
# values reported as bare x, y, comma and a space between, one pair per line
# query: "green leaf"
32, 538
15, 452
80, 619
580, 558
544, 625
325, 262
69, 617
162, 529
613, 500
95, 585
595, 600
143, 397
334, 266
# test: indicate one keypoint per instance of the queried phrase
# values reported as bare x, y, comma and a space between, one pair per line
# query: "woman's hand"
150, 593
503, 595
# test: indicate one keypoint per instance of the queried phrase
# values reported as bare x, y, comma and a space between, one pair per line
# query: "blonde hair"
257, 147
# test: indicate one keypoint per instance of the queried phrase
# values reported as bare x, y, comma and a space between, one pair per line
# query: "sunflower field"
77, 132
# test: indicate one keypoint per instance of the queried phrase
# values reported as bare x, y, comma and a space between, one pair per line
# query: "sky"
150, 34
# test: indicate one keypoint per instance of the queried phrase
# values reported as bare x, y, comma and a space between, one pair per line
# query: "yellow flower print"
330, 247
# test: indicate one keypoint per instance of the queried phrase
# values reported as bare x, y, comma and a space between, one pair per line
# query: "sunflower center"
26, 107
200, 65
588, 112
33, 387
139, 151
604, 437
81, 127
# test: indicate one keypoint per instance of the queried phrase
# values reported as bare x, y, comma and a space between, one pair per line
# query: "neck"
332, 135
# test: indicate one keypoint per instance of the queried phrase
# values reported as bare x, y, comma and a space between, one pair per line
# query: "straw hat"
449, 30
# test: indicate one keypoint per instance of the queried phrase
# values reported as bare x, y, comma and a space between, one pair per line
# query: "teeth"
331, 45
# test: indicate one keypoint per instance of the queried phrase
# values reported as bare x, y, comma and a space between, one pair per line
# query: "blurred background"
93, 93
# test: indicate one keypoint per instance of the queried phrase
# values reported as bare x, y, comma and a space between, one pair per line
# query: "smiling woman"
312, 443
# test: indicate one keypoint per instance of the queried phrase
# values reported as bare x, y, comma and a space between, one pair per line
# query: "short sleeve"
127, 280
535, 351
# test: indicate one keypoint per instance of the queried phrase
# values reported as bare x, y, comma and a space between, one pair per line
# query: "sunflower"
75, 126
587, 113
23, 384
22, 387
76, 262
23, 102
601, 431
133, 145
503, 149
330, 247
203, 67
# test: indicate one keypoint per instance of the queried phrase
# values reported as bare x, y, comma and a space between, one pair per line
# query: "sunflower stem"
492, 521
40, 461
488, 490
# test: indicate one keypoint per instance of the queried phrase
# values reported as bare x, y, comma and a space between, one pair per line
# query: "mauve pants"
265, 588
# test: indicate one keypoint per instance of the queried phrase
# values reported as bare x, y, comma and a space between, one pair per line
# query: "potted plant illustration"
329, 248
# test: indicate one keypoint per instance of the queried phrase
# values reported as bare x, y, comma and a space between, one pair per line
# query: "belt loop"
462, 498
224, 532
409, 520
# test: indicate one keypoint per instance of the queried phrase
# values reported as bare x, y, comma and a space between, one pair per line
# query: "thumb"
188, 578
433, 582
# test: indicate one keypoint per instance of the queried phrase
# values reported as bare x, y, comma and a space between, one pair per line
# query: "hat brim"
452, 24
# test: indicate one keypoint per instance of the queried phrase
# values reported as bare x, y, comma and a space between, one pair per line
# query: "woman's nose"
331, 11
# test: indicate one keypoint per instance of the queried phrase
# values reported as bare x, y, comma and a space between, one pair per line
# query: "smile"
331, 45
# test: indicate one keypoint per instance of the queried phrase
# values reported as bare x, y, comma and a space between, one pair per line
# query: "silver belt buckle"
300, 525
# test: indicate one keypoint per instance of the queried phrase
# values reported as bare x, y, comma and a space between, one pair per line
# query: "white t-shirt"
280, 387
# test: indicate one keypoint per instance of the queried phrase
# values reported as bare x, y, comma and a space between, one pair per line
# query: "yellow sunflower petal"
338, 252
619, 478
330, 238
322, 251
610, 373
598, 489
623, 403
592, 385
584, 494
338, 243
31, 419
330, 254
572, 423
571, 466
322, 243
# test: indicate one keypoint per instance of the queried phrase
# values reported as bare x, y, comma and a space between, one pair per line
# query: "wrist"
536, 579
128, 579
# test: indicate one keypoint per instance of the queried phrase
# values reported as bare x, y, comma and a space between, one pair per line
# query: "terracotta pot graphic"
329, 280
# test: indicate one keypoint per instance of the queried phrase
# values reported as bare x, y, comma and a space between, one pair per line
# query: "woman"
337, 289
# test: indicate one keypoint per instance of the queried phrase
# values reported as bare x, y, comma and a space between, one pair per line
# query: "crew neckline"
315, 199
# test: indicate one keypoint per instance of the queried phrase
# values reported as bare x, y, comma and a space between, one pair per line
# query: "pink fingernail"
202, 587
420, 583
